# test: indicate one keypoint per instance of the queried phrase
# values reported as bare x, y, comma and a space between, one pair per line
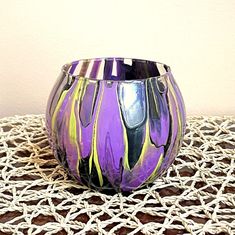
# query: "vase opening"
115, 69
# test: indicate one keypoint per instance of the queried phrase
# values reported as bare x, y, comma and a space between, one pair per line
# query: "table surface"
195, 196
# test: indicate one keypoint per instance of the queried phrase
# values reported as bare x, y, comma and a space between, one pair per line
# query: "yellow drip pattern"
94, 154
79, 98
151, 177
72, 122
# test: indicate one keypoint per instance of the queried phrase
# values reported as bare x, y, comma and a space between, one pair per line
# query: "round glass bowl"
115, 123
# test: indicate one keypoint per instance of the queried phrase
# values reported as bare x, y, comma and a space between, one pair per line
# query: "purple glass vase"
115, 123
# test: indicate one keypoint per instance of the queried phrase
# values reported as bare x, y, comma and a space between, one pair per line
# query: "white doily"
196, 196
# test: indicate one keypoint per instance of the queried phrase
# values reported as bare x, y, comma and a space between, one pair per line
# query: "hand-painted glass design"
114, 122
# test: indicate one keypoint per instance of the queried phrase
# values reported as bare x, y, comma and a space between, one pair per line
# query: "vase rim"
66, 68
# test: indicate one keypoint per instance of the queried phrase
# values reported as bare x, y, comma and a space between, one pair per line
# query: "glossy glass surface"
114, 122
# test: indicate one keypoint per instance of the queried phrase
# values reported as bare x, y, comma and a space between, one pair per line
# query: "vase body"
115, 123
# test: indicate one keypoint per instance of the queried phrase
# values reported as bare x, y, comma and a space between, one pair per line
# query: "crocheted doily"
195, 196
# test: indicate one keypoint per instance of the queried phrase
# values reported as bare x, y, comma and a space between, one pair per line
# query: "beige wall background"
196, 38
